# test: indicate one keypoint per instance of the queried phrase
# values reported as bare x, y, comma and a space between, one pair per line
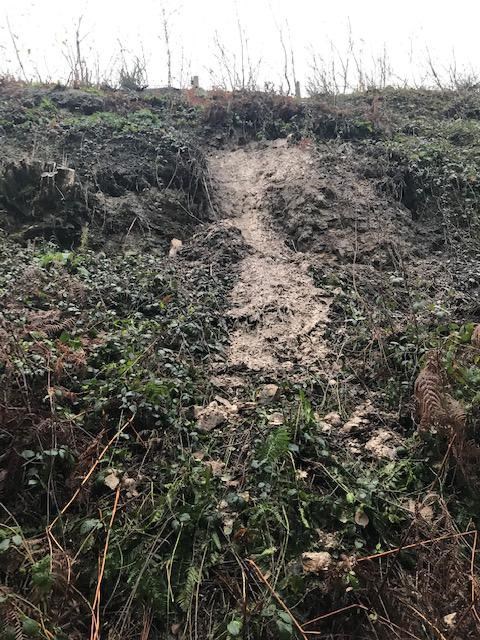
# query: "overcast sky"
44, 31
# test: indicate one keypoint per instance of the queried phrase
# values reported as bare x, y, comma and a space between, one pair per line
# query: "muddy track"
280, 315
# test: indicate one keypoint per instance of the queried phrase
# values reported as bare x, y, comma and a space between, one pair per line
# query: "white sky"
405, 28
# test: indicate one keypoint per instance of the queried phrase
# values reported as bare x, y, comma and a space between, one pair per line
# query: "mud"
279, 314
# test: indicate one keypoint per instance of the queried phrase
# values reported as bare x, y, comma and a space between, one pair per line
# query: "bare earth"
280, 314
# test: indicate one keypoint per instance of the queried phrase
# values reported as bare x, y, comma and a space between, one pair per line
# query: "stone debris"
316, 561
276, 419
210, 417
358, 419
267, 394
175, 246
334, 419
377, 445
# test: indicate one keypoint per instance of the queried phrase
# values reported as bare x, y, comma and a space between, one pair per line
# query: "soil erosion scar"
280, 313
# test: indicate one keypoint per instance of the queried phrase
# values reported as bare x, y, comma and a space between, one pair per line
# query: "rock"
175, 246
316, 562
112, 480
450, 619
210, 417
231, 408
276, 419
353, 424
65, 178
267, 394
358, 418
377, 446
361, 518
333, 419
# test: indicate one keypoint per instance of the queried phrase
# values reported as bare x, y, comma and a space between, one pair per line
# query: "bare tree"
285, 59
230, 73
14, 39
166, 36
79, 72
433, 70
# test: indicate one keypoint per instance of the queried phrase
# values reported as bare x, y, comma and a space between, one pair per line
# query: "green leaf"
30, 627
90, 525
216, 540
4, 545
234, 628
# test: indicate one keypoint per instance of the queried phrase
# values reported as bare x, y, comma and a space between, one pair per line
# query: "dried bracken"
49, 323
435, 407
429, 395
476, 336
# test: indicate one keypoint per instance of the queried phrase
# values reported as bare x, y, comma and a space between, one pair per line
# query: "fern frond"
276, 446
193, 578
428, 395
48, 322
476, 336
436, 407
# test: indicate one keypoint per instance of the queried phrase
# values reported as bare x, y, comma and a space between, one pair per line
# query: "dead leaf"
112, 480
361, 518
216, 467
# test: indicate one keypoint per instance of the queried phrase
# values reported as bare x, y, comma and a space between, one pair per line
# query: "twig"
362, 607
95, 627
336, 612
277, 597
376, 556
17, 52
426, 620
86, 478
472, 576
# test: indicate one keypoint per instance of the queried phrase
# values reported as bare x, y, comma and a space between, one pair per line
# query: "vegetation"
120, 513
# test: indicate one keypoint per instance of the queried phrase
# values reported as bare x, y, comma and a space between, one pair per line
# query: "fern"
429, 394
476, 336
192, 580
435, 407
48, 323
276, 446
11, 623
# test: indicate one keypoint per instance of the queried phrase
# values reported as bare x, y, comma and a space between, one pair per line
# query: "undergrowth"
107, 479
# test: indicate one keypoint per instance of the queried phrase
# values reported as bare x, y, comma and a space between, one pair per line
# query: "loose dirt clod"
316, 562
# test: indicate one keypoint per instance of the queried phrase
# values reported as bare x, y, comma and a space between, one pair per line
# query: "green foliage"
275, 448
42, 577
193, 578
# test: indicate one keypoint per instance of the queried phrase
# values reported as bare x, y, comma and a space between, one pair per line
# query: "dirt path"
280, 314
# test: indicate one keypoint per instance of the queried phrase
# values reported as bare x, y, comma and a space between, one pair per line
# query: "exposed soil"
279, 313
232, 425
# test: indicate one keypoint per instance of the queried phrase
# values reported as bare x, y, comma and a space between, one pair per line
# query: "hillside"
266, 428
